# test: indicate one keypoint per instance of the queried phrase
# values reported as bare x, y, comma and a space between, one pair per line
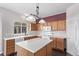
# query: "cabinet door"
54, 43
41, 52
60, 44
49, 49
10, 47
61, 25
54, 25
39, 27
33, 27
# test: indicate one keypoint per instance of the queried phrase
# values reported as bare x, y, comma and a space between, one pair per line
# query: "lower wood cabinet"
41, 52
23, 52
9, 46
49, 49
58, 43
44, 51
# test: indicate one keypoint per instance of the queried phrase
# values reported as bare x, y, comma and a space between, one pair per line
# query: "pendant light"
42, 21
33, 17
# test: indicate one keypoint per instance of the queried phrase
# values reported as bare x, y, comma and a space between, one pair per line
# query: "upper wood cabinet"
61, 25
57, 25
34, 27
54, 25
38, 27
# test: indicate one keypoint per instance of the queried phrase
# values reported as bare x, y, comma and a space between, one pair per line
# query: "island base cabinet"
44, 51
23, 52
49, 49
41, 52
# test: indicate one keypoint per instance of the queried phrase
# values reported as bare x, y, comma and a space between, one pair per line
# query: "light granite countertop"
34, 45
17, 37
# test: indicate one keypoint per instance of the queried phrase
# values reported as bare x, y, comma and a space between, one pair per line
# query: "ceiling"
45, 9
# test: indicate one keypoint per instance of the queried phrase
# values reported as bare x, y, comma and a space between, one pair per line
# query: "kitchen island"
9, 43
34, 47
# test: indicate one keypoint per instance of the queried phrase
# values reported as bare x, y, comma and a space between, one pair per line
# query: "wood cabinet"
39, 26
41, 52
9, 46
49, 49
58, 43
31, 37
34, 27
61, 25
54, 43
54, 25
57, 25
23, 52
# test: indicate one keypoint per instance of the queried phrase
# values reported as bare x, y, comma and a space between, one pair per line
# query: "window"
19, 28
23, 28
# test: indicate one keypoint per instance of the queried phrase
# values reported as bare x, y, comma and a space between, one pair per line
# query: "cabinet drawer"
10, 41
9, 51
10, 46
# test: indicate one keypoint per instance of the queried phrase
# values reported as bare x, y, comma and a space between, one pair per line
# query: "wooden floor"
59, 53
55, 53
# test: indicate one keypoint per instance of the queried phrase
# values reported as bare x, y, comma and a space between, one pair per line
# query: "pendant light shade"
33, 17
42, 21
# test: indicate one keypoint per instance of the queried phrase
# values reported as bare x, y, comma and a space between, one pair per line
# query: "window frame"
19, 26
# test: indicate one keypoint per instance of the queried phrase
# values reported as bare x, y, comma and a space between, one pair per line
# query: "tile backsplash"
59, 33
39, 33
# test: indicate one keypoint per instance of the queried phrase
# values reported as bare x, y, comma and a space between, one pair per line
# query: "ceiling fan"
33, 17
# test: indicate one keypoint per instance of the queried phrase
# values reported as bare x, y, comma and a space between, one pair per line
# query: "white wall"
73, 29
7, 20
0, 34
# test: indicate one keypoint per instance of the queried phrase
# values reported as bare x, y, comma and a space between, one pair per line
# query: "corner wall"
73, 29
0, 34
7, 20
